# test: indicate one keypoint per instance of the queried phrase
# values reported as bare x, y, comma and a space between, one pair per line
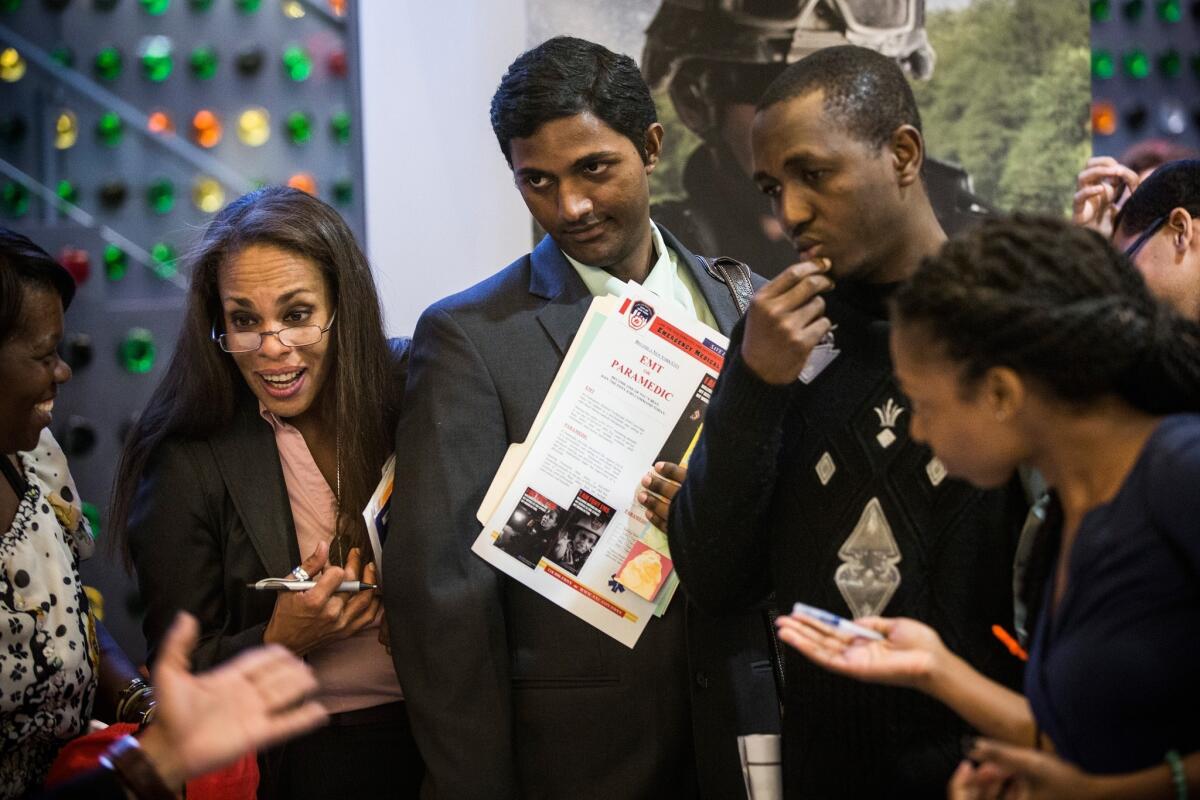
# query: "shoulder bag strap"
736, 277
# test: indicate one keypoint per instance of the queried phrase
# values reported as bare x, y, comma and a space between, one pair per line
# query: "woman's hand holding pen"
303, 621
910, 653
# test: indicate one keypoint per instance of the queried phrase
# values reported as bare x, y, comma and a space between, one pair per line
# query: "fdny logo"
639, 315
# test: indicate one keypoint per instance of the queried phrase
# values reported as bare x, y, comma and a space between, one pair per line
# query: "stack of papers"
376, 513
561, 516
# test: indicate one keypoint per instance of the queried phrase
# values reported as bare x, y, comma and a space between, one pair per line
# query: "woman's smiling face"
31, 370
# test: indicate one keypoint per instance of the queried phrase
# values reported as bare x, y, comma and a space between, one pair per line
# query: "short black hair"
565, 76
23, 264
1175, 184
865, 92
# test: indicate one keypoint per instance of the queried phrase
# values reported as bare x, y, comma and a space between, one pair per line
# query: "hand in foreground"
1018, 773
785, 321
1103, 182
206, 721
660, 486
303, 621
906, 657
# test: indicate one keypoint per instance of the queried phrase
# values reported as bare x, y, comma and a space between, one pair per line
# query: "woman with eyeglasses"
1032, 342
254, 458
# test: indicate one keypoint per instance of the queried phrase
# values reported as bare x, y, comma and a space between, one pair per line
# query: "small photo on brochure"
531, 528
582, 528
686, 428
644, 571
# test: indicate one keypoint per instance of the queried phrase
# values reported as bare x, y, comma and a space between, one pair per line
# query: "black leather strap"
736, 277
11, 474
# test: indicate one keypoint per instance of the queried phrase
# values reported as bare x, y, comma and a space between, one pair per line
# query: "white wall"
442, 211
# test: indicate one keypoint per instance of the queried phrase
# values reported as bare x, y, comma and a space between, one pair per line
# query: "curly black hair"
1056, 303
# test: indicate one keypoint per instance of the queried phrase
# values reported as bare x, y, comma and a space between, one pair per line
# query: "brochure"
376, 513
561, 515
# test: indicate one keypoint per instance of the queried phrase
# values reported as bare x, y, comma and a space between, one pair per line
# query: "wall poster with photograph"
1003, 87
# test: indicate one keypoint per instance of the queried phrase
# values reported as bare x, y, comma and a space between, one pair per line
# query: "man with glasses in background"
1159, 230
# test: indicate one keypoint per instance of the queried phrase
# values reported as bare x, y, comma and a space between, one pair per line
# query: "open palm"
205, 721
904, 658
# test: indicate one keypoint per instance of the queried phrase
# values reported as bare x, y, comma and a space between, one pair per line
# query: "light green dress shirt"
667, 278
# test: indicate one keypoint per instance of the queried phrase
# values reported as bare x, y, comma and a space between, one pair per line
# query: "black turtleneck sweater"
815, 493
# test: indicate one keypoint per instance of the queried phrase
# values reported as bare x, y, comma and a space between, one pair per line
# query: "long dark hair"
198, 394
1057, 304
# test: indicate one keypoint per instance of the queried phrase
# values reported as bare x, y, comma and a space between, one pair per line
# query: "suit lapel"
715, 292
249, 463
553, 278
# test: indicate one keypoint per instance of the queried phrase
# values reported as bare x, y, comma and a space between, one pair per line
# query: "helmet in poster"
710, 52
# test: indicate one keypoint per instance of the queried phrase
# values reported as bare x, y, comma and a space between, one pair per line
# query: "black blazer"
508, 694
210, 516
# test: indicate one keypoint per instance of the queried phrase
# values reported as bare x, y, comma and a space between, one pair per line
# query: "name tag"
820, 358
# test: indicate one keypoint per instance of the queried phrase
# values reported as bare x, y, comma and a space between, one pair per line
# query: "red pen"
1008, 641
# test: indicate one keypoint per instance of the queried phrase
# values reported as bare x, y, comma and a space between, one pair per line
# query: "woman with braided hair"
1031, 342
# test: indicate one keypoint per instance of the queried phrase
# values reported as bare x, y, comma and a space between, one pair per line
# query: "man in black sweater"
805, 483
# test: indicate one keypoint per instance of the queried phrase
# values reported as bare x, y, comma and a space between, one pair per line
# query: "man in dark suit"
501, 683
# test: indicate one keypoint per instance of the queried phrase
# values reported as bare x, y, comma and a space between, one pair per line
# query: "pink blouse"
355, 672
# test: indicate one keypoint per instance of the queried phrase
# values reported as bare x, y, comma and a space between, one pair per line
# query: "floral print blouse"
48, 655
